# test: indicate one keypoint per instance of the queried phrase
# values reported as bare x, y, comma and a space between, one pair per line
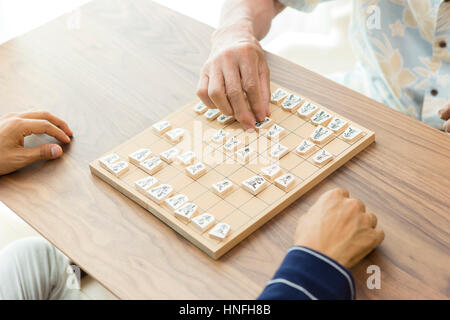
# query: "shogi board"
243, 211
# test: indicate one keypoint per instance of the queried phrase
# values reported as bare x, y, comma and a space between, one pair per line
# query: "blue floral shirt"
404, 49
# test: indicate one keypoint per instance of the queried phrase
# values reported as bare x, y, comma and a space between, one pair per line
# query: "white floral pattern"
405, 57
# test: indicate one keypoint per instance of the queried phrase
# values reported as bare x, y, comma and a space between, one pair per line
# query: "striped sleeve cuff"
306, 274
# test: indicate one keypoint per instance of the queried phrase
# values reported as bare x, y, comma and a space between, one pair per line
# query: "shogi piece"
152, 165
278, 96
322, 157
352, 134
186, 158
222, 188
263, 124
307, 110
186, 212
223, 119
276, 132
243, 154
108, 160
119, 168
139, 156
175, 135
200, 108
160, 193
161, 127
143, 185
285, 182
321, 117
220, 231
196, 170
306, 148
321, 135
219, 136
203, 222
278, 151
255, 184
232, 144
169, 155
271, 172
337, 125
176, 201
292, 102
212, 114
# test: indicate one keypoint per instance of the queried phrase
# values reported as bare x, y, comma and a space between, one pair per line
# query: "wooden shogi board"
240, 209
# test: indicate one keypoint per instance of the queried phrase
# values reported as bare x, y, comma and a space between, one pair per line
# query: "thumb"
44, 152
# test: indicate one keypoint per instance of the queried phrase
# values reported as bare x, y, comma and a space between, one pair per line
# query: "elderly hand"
340, 228
444, 114
235, 78
14, 127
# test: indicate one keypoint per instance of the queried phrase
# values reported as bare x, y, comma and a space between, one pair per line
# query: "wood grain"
215, 249
130, 64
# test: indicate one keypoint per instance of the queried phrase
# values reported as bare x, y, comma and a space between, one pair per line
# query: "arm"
334, 235
236, 69
14, 127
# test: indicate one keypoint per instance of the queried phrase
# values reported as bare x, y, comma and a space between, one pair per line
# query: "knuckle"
355, 205
215, 92
202, 92
250, 85
233, 91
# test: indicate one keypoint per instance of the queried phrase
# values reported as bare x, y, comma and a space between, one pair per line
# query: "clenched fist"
14, 127
339, 227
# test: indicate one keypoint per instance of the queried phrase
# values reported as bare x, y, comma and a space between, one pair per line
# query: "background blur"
306, 39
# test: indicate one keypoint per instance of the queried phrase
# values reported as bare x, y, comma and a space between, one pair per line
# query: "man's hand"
340, 228
14, 127
444, 114
236, 78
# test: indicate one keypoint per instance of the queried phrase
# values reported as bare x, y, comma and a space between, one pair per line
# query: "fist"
14, 127
340, 228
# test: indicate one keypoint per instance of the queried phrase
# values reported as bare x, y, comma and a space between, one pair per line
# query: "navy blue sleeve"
306, 274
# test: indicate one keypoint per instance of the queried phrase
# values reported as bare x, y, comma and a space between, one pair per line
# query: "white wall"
20, 16
306, 39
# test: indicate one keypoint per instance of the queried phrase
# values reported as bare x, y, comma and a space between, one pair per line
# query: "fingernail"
250, 130
56, 151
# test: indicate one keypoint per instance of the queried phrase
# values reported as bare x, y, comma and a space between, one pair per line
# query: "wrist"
242, 29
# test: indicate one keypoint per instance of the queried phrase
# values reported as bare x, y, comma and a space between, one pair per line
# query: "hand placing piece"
340, 228
444, 114
235, 79
14, 127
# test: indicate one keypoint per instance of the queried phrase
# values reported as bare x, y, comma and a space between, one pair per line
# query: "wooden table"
131, 63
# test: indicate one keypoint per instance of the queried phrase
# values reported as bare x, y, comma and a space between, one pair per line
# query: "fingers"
337, 192
444, 113
30, 126
202, 91
43, 115
370, 219
250, 84
217, 93
237, 99
378, 237
42, 152
264, 80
